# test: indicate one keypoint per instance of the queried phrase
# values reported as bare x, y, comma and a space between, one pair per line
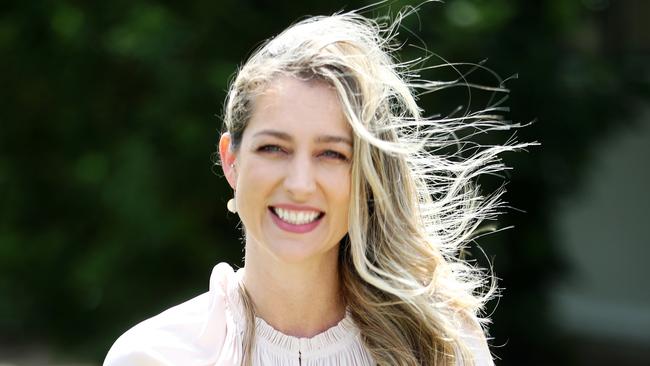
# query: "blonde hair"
413, 204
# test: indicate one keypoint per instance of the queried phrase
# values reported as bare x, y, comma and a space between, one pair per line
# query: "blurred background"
111, 207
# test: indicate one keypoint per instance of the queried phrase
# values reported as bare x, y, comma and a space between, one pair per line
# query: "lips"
298, 220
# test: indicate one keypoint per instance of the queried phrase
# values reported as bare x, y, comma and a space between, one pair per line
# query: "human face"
292, 172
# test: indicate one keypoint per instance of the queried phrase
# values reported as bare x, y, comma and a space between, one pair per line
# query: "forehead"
299, 107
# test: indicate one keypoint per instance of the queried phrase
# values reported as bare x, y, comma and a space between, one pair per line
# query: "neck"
298, 299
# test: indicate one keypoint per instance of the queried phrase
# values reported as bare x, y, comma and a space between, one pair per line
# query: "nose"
300, 179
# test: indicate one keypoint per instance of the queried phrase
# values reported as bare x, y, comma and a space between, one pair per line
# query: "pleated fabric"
208, 330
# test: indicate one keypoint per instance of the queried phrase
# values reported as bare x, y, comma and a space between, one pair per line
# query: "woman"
353, 217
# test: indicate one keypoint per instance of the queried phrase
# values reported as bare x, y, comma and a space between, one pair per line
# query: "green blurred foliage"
111, 206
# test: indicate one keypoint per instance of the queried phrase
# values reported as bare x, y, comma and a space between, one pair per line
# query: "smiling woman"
353, 217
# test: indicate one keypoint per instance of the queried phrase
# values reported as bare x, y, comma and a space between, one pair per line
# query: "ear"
228, 157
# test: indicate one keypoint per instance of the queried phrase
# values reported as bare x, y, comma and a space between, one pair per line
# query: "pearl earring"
232, 205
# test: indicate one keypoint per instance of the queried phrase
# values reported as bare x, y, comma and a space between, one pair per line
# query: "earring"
232, 205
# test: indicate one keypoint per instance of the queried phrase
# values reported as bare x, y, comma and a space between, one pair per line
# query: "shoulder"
141, 344
473, 336
186, 334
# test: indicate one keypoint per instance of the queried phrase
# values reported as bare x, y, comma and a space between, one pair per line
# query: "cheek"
254, 182
338, 182
254, 173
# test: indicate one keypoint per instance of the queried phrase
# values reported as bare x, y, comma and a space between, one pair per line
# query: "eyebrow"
320, 139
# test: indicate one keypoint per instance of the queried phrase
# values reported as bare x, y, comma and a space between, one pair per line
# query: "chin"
296, 252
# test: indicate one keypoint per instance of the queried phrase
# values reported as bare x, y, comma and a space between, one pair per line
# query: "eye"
334, 155
270, 149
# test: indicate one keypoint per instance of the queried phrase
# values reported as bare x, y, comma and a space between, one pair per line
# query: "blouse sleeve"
197, 332
474, 338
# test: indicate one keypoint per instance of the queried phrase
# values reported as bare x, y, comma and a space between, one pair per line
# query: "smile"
296, 217
296, 221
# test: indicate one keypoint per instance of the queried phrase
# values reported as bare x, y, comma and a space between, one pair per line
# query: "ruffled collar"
330, 341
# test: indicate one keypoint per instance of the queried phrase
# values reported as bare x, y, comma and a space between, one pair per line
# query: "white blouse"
208, 330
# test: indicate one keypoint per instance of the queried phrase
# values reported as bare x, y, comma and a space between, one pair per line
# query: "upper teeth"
296, 217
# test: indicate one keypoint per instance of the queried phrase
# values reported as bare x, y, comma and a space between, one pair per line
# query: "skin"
296, 151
